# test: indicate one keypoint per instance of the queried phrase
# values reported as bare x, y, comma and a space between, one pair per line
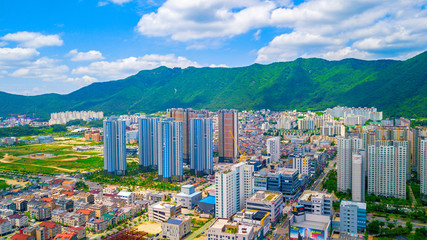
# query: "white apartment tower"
358, 176
387, 168
232, 186
273, 148
346, 147
423, 168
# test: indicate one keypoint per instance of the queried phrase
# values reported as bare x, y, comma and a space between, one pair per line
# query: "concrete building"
201, 146
260, 220
423, 168
358, 176
271, 202
352, 217
317, 203
185, 115
5, 226
170, 165
231, 186
115, 146
161, 211
18, 220
127, 196
308, 226
346, 147
207, 205
40, 213
223, 229
387, 168
148, 144
273, 148
188, 198
228, 135
176, 228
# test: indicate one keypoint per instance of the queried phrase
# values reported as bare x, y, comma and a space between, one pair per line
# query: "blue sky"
60, 46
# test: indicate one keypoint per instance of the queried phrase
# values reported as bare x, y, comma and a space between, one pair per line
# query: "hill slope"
397, 87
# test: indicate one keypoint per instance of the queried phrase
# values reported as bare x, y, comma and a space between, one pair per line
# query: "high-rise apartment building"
358, 176
115, 146
170, 165
273, 148
184, 115
346, 147
201, 146
387, 168
232, 185
228, 135
423, 168
148, 144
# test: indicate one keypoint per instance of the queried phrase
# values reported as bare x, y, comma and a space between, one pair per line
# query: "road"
414, 200
416, 224
200, 230
281, 230
317, 185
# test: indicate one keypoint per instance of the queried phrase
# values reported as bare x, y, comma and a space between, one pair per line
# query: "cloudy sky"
59, 46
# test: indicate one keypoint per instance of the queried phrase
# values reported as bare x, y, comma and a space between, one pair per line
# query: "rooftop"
208, 200
265, 196
358, 204
308, 195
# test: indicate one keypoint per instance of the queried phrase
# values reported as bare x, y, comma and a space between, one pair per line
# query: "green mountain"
396, 87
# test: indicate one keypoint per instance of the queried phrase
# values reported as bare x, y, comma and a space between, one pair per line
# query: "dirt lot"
150, 227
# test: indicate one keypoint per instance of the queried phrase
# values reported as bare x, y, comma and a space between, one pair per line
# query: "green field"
16, 159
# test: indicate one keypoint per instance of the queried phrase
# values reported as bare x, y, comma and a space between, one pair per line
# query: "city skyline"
46, 48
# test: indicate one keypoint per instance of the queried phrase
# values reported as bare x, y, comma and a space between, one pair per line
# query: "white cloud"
85, 56
358, 28
290, 46
44, 68
256, 34
82, 81
120, 2
218, 66
185, 20
10, 57
2, 44
33, 39
125, 67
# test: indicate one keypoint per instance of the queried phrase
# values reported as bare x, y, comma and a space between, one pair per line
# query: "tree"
409, 225
390, 225
374, 227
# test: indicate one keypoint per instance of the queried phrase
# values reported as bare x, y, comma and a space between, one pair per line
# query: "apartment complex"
115, 146
232, 186
228, 135
346, 148
387, 168
201, 146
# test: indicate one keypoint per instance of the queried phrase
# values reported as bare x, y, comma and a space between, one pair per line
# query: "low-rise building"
271, 202
188, 198
97, 225
259, 219
5, 226
40, 213
161, 211
18, 220
176, 228
127, 196
52, 229
304, 225
352, 217
81, 232
317, 203
88, 214
99, 209
224, 229
207, 205
65, 204
74, 219
69, 235
22, 236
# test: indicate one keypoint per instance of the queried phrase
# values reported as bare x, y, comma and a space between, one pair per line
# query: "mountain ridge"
396, 87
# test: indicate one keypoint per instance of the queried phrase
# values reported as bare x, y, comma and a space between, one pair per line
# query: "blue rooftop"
174, 221
208, 200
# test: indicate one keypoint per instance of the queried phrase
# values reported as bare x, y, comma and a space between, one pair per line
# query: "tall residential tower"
115, 146
228, 134
201, 146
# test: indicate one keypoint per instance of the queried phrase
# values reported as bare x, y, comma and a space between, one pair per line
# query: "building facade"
170, 164
115, 146
201, 146
148, 144
352, 217
228, 135
273, 148
387, 168
346, 147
